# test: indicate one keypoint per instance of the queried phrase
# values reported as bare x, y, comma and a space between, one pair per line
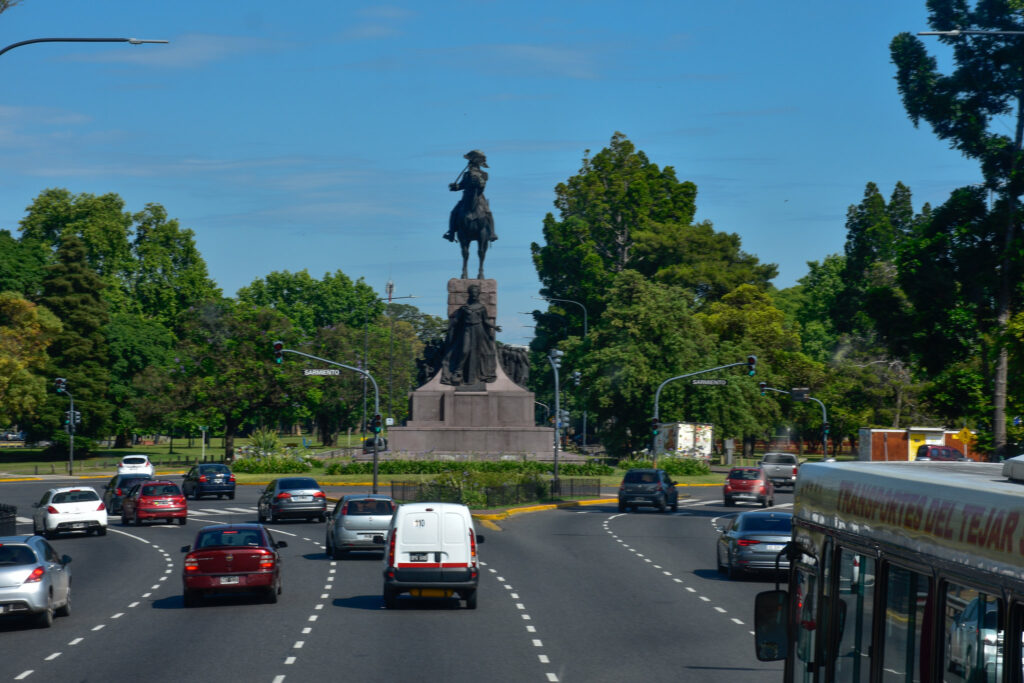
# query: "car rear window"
779, 457
745, 474
298, 483
139, 460
14, 555
641, 477
228, 537
783, 525
369, 506
74, 496
128, 482
161, 490
214, 469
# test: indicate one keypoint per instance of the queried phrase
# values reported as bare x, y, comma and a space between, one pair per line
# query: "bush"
61, 446
265, 440
678, 467
272, 464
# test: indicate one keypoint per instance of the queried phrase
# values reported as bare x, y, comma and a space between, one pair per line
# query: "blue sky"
322, 135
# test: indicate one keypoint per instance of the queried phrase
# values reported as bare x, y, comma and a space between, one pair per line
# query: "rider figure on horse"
472, 209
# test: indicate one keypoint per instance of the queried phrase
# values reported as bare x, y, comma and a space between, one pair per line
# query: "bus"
901, 571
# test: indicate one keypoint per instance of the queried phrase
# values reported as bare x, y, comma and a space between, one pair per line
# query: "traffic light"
751, 365
555, 355
655, 424
577, 377
278, 351
563, 418
67, 417
76, 417
377, 423
824, 428
764, 387
61, 384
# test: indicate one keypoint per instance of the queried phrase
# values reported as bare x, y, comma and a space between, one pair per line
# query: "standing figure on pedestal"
470, 355
471, 219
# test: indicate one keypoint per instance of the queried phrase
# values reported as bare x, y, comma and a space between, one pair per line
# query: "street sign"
389, 421
965, 435
321, 371
709, 382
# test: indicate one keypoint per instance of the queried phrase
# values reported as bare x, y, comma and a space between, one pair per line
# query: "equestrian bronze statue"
471, 219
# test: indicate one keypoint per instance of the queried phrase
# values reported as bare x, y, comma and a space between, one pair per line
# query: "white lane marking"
531, 629
500, 578
324, 596
146, 595
289, 660
241, 509
526, 617
76, 641
552, 677
278, 679
307, 630
705, 599
720, 609
514, 596
537, 643
23, 520
278, 531
298, 644
23, 675
312, 617
118, 615
125, 533
678, 580
520, 605
153, 588
737, 621
53, 656
543, 659
320, 606
98, 627
134, 604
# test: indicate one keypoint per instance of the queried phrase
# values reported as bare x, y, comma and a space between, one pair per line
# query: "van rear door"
456, 562
419, 551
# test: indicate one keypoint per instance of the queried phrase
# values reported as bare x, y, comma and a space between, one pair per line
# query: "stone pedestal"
495, 418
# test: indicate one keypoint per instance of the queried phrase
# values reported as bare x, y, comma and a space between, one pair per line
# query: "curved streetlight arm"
569, 301
376, 393
133, 41
657, 394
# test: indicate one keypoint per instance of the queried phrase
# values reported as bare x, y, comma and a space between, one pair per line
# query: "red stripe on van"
431, 565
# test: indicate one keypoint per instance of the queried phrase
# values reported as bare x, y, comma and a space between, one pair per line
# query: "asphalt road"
565, 595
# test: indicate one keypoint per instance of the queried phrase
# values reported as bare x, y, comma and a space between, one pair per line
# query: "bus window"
972, 638
805, 606
907, 608
856, 594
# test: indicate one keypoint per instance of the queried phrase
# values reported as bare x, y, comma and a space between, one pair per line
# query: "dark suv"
648, 487
943, 453
209, 479
116, 490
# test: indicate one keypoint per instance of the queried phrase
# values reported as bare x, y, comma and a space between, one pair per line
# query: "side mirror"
771, 636
186, 548
379, 540
65, 559
281, 544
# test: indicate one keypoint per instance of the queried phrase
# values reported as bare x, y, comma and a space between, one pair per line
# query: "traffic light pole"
376, 397
824, 416
554, 357
750, 362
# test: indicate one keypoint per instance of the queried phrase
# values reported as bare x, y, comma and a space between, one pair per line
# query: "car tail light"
282, 496
391, 548
747, 541
472, 546
344, 508
202, 477
117, 492
232, 479
191, 563
101, 507
319, 494
658, 487
36, 576
794, 470
266, 559
52, 510
179, 500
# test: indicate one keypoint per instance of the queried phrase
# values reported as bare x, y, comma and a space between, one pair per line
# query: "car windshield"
161, 490
13, 555
368, 506
782, 525
228, 537
641, 477
745, 474
298, 483
74, 496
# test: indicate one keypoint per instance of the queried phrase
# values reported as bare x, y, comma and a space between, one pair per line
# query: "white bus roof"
964, 512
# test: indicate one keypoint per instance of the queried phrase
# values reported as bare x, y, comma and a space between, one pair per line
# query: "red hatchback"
154, 499
748, 484
229, 558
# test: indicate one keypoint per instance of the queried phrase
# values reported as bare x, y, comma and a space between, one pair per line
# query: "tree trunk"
230, 429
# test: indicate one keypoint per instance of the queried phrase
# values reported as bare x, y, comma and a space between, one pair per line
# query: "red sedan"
229, 558
154, 499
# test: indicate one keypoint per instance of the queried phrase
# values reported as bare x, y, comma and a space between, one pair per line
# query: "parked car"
648, 487
71, 508
290, 498
781, 468
382, 444
154, 499
135, 464
748, 484
971, 641
34, 579
232, 558
751, 541
358, 522
431, 553
209, 479
928, 452
115, 490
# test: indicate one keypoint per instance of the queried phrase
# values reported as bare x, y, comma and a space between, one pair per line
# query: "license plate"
78, 525
228, 579
430, 593
773, 547
302, 499
417, 557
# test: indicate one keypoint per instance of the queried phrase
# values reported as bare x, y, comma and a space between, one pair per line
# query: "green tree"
970, 108
809, 305
135, 343
79, 352
26, 330
22, 265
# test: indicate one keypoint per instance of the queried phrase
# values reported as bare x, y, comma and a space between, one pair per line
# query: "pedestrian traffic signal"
61, 384
377, 423
654, 425
278, 351
751, 365
764, 387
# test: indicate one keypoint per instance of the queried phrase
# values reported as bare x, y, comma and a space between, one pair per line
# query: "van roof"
423, 507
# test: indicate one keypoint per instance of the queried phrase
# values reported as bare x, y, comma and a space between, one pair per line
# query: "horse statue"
471, 219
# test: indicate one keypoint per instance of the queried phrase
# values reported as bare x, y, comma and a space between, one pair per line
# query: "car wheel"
662, 504
389, 598
675, 504
190, 598
136, 521
270, 596
622, 506
259, 515
182, 520
45, 618
718, 560
231, 496
731, 571
49, 534
968, 668
729, 502
764, 502
65, 610
470, 597
124, 520
102, 531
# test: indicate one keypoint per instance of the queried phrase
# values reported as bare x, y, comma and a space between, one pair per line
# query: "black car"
209, 479
290, 498
648, 487
116, 490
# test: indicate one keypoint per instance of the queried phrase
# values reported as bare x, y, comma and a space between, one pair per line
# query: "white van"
431, 552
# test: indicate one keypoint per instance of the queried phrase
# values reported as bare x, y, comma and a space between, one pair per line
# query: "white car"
135, 464
71, 508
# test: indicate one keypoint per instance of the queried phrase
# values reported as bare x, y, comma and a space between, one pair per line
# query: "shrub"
678, 467
272, 464
265, 440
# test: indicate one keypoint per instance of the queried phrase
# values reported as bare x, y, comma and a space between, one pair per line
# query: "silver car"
356, 520
291, 498
751, 541
34, 579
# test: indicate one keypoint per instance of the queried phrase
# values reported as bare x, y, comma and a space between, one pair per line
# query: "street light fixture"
133, 41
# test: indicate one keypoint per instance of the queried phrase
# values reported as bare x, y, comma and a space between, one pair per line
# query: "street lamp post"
583, 436
133, 41
555, 358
